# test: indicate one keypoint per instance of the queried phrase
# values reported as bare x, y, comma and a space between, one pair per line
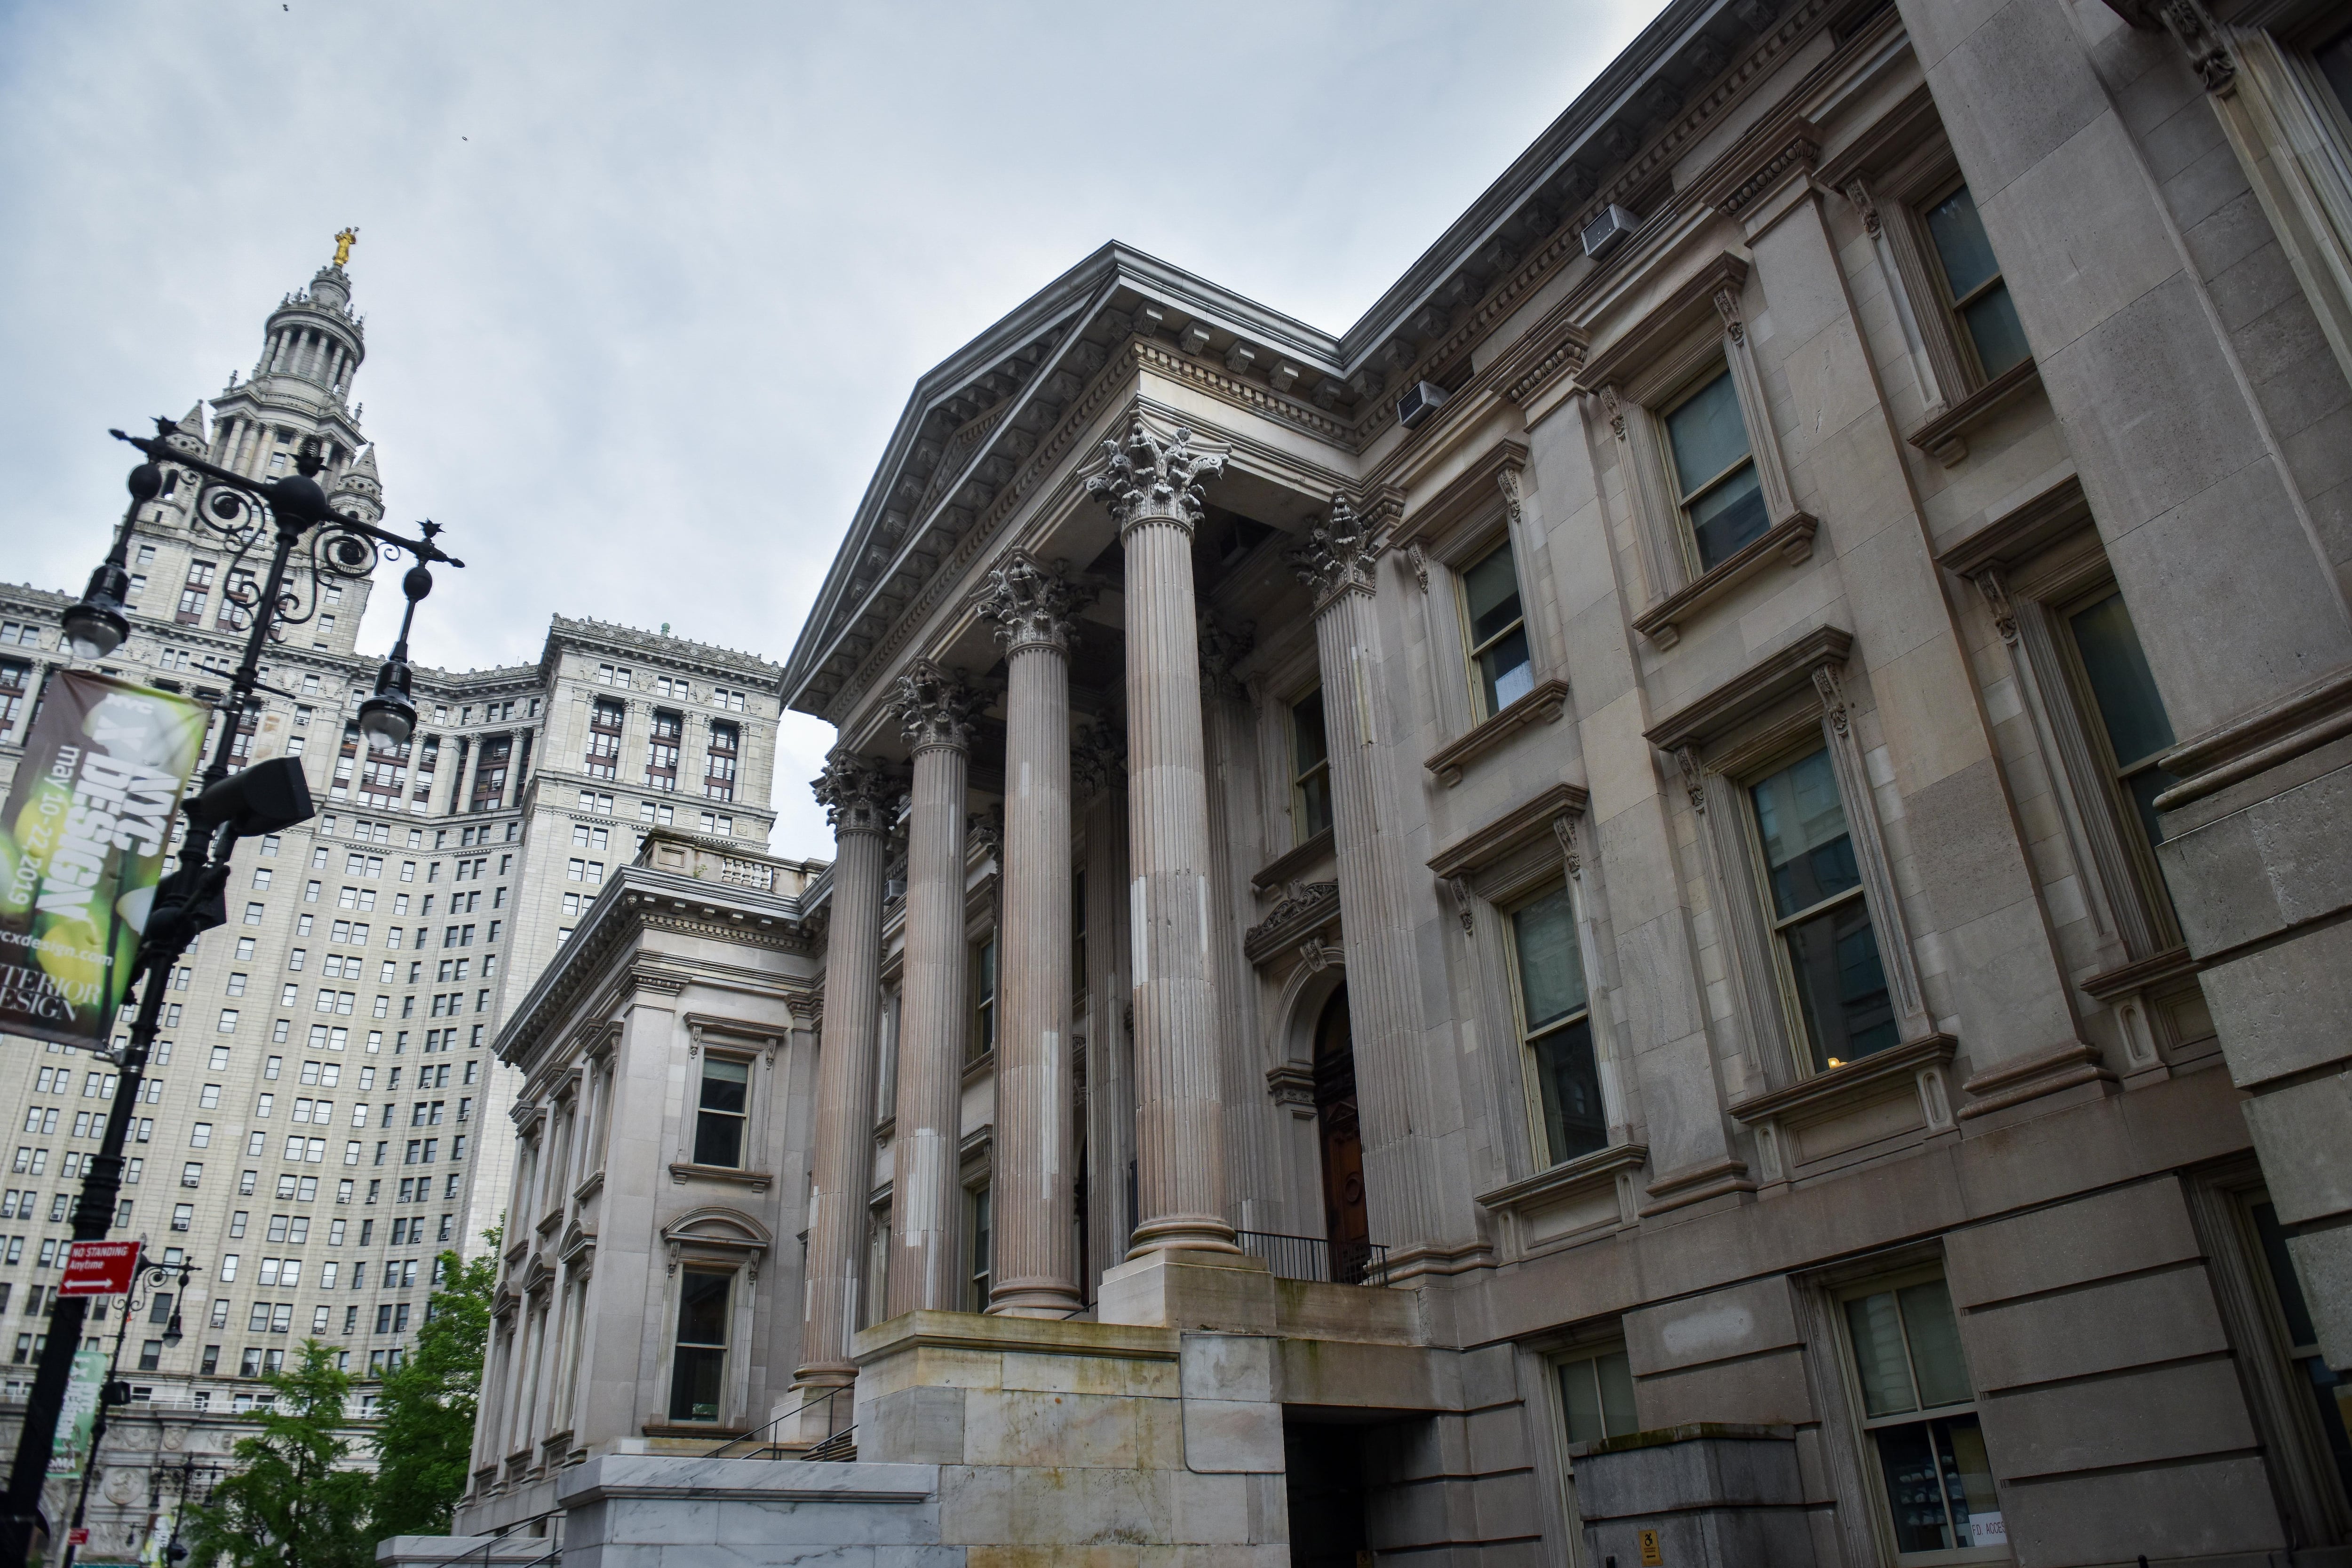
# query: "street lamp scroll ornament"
289, 513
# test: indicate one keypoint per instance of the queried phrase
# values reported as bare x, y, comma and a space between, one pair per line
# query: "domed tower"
301, 390
298, 396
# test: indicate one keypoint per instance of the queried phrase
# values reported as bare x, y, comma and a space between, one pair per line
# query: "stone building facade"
1680, 901
326, 1112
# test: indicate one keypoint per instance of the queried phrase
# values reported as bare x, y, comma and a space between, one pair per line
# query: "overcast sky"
646, 286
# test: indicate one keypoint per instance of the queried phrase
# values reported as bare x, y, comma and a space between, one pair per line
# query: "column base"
1190, 1289
1187, 1233
1018, 1301
817, 1406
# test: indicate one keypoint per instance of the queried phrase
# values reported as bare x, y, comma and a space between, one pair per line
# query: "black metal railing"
483, 1553
841, 1446
1314, 1258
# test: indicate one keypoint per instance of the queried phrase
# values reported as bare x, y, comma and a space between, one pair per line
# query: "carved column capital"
1223, 645
1032, 604
934, 707
1337, 556
1146, 479
858, 794
1099, 757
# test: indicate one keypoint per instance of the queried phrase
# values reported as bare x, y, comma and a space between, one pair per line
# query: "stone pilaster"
1153, 490
1035, 1272
926, 1266
857, 796
1401, 1108
1251, 1133
1098, 767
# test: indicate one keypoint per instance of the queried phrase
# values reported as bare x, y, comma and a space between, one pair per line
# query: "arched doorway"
1346, 1225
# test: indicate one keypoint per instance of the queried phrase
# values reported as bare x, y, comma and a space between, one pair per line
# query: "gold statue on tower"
344, 242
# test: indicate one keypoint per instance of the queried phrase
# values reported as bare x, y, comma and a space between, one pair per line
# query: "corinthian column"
1154, 492
926, 1269
1034, 1201
856, 797
1402, 1108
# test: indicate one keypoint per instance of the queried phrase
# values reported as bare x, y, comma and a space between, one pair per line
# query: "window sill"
1286, 867
1821, 1117
1585, 1174
1789, 542
1545, 703
757, 1181
1945, 436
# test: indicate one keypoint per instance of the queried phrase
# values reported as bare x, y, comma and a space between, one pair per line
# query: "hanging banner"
82, 848
78, 1418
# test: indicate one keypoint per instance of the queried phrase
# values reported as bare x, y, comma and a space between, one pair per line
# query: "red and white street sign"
99, 1269
78, 1536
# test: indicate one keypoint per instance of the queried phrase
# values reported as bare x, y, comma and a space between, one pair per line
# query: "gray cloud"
647, 287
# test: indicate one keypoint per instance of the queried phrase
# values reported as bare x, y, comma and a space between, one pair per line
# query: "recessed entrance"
1347, 1226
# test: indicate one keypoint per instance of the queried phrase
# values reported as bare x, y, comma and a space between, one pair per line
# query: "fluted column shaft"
1111, 1087
1034, 1199
1035, 1206
842, 1166
1153, 491
1401, 1108
926, 1219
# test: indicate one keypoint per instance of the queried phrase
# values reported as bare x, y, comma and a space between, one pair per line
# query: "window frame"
1948, 297
1530, 1037
1779, 708
1661, 411
743, 1119
2091, 720
1864, 1425
1484, 706
1812, 1060
981, 959
688, 1268
1300, 832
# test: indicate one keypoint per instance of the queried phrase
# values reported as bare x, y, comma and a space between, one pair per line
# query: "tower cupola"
314, 342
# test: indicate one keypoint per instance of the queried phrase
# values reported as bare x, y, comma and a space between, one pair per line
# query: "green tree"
287, 1502
425, 1415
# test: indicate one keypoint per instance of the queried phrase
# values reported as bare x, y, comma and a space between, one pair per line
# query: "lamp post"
284, 514
147, 1275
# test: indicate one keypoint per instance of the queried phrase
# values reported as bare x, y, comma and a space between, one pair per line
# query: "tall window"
1310, 767
718, 783
490, 773
2133, 729
720, 1114
16, 680
1822, 921
1920, 1420
2331, 1392
983, 1248
1715, 471
605, 718
383, 776
1556, 1029
1497, 627
698, 1364
1976, 292
984, 999
1596, 1395
195, 593
661, 751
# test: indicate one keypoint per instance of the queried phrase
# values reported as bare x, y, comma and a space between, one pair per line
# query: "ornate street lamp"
286, 514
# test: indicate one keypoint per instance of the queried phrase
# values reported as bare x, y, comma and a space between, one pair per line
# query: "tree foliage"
425, 1431
288, 1503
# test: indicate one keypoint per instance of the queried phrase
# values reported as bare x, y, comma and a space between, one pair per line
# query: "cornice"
1712, 714
1522, 825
